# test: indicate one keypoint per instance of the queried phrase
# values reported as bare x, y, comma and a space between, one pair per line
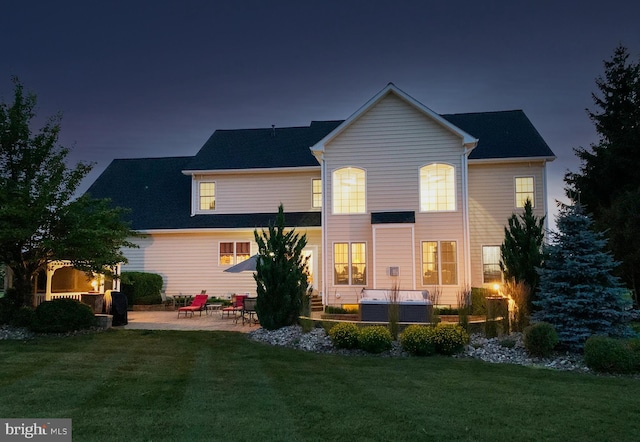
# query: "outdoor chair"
235, 307
197, 305
167, 301
249, 311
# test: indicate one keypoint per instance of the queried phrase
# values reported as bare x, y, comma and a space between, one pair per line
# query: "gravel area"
503, 350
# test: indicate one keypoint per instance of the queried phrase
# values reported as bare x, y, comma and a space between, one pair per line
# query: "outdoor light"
496, 287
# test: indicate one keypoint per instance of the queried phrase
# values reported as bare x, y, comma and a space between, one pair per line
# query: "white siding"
261, 192
393, 247
492, 202
189, 262
391, 142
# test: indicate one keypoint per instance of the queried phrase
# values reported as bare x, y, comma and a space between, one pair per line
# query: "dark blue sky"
156, 78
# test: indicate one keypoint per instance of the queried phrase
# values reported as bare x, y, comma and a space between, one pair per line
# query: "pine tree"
609, 170
521, 251
577, 292
281, 274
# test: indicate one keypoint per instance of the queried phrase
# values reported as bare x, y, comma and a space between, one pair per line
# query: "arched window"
437, 188
349, 190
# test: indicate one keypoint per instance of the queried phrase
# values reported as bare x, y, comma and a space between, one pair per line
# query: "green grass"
170, 386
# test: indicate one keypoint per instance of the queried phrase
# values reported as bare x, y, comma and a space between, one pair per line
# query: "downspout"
323, 229
544, 200
465, 217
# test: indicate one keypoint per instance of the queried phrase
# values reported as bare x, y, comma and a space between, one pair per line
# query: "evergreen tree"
39, 219
608, 171
281, 274
577, 292
521, 251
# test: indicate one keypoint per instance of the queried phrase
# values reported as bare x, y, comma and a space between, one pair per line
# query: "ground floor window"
350, 263
234, 252
439, 263
491, 264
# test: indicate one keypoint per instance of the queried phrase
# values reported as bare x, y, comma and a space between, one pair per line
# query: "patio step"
316, 304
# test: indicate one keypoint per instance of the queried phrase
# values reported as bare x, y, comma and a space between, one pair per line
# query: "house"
396, 194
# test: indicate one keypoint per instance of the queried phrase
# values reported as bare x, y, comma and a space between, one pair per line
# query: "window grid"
524, 190
439, 263
207, 196
234, 252
350, 263
491, 264
349, 190
437, 188
316, 193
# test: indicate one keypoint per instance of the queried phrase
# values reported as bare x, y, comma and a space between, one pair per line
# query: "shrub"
23, 317
7, 310
611, 355
375, 339
479, 300
418, 340
141, 288
447, 311
62, 315
344, 335
449, 339
540, 339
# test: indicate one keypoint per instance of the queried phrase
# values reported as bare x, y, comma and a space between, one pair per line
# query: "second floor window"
437, 188
316, 193
349, 190
207, 195
525, 190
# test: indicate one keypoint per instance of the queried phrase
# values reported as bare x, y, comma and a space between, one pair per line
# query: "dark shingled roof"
159, 194
261, 148
505, 134
159, 197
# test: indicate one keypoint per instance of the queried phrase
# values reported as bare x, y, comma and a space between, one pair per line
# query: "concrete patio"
168, 320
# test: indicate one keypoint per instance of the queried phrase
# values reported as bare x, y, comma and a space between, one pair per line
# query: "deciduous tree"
39, 218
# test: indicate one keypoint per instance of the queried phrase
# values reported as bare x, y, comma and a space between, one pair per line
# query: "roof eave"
251, 171
544, 159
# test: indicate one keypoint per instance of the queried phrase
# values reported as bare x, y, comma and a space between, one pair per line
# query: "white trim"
411, 226
515, 191
323, 231
214, 230
250, 171
467, 140
333, 193
312, 207
350, 264
466, 229
512, 160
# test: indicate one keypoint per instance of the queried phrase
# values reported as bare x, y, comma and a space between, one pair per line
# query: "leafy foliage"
521, 251
540, 339
609, 355
281, 274
608, 183
374, 339
449, 339
141, 288
39, 221
63, 315
578, 293
344, 335
418, 340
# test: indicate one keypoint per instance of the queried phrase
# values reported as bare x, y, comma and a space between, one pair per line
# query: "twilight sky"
156, 78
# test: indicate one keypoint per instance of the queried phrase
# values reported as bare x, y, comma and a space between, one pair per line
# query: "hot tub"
412, 307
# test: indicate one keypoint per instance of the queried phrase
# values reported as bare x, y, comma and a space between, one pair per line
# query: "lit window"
207, 196
316, 193
349, 190
439, 263
437, 188
491, 264
350, 263
234, 252
524, 191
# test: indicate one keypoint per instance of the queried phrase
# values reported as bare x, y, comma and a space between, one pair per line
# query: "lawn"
127, 385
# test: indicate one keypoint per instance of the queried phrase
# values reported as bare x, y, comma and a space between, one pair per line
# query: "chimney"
273, 130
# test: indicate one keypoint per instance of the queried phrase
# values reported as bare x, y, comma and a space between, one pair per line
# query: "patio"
168, 320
